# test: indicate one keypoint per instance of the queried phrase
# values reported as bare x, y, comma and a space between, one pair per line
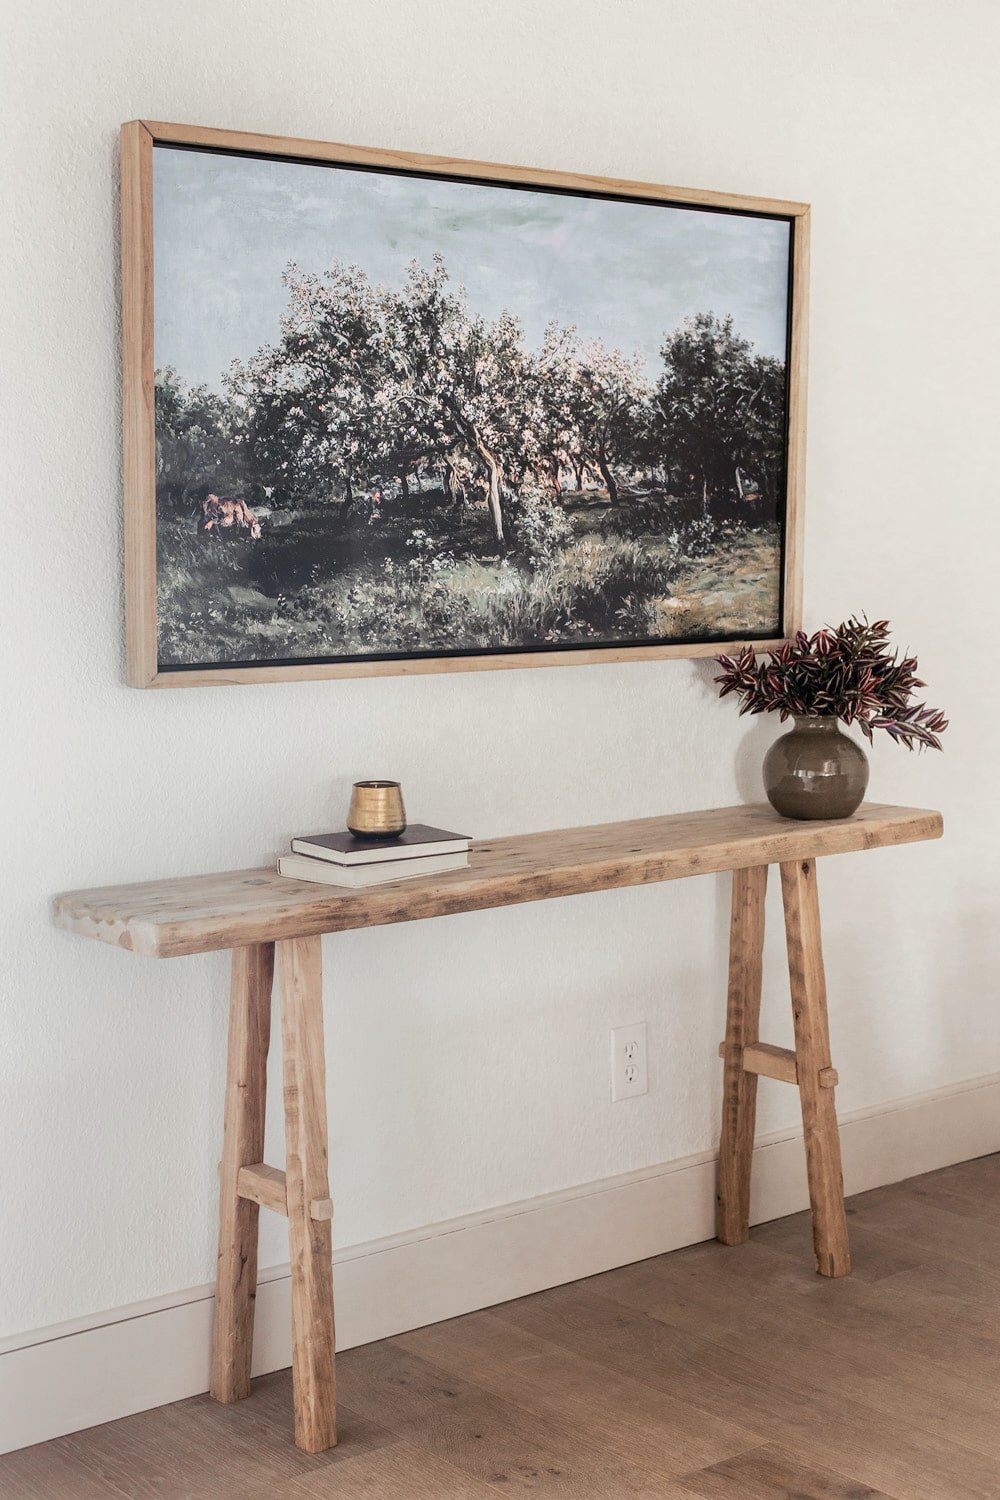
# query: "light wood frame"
138, 409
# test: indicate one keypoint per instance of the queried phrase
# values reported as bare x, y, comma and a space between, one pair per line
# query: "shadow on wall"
761, 732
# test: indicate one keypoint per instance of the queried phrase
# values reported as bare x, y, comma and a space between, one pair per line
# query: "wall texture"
468, 1058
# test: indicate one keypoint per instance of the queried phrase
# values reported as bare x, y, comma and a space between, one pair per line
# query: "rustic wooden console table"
250, 911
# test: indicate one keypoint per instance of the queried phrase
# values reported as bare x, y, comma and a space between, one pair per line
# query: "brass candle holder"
376, 810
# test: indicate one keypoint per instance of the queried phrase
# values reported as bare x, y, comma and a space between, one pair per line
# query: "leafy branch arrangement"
849, 673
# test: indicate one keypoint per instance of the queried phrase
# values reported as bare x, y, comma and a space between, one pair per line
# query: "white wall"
468, 1058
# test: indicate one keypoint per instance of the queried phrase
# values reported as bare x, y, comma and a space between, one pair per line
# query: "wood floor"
730, 1374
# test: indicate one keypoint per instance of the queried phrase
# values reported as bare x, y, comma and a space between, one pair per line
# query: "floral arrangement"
849, 673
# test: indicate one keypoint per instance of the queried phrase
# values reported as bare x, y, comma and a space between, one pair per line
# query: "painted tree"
468, 378
718, 409
759, 443
550, 381
323, 409
195, 451
370, 383
609, 399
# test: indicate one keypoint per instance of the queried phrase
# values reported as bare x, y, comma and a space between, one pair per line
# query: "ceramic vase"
815, 771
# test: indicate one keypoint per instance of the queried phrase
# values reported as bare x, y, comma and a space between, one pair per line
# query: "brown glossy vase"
815, 771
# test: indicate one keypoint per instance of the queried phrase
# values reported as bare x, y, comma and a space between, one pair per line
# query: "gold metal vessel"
376, 810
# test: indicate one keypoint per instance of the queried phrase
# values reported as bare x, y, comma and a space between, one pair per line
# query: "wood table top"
201, 913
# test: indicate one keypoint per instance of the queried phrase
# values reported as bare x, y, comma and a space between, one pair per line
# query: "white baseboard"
73, 1375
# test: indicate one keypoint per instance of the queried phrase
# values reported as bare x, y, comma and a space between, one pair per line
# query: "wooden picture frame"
145, 667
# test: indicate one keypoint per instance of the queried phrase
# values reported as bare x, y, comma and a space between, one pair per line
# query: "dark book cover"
347, 848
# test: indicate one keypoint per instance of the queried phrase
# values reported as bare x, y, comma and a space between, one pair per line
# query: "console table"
251, 911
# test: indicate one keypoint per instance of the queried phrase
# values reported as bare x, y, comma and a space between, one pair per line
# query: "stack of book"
345, 859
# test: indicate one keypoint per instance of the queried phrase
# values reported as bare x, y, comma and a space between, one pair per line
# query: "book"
357, 877
415, 842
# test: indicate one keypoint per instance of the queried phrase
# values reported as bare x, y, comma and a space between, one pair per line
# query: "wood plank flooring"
729, 1374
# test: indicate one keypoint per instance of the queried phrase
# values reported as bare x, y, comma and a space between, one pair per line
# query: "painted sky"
225, 228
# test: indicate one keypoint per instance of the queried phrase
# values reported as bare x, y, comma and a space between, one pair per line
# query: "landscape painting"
404, 416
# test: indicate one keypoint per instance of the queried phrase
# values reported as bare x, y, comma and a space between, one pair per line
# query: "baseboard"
73, 1375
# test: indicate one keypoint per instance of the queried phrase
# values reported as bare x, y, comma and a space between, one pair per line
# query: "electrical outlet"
628, 1061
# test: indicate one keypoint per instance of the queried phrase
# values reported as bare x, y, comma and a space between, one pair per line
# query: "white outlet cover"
628, 1061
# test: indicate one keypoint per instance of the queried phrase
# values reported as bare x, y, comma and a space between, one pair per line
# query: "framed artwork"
389, 413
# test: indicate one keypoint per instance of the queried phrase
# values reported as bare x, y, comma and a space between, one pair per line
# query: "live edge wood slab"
265, 918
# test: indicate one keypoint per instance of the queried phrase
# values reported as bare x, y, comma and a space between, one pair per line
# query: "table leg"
812, 1053
307, 1188
739, 1102
243, 1145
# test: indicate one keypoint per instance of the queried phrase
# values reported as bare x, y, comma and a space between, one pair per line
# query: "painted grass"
427, 580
